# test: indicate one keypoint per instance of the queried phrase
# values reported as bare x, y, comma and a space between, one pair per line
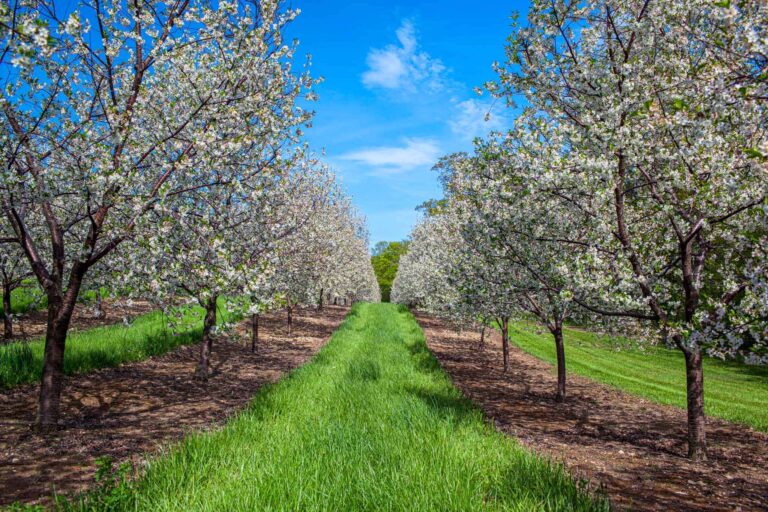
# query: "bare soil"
632, 447
131, 411
32, 325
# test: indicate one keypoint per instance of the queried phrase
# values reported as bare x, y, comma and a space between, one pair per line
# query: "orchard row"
630, 192
155, 149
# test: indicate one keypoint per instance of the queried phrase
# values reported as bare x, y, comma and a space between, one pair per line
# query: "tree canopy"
385, 260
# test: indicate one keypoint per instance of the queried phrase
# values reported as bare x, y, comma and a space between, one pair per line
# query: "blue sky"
398, 94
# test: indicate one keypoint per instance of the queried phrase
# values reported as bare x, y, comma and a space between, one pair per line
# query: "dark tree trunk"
320, 304
697, 430
7, 319
206, 346
290, 320
254, 331
482, 336
505, 341
52, 381
335, 301
560, 349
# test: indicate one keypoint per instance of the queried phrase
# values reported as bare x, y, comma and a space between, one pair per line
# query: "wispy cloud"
475, 118
403, 66
389, 160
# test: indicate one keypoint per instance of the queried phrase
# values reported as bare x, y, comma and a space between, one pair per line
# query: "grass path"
733, 391
372, 423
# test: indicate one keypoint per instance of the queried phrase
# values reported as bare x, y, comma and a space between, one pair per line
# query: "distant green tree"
385, 259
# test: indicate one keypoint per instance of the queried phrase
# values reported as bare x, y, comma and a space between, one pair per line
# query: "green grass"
372, 423
732, 390
26, 297
103, 347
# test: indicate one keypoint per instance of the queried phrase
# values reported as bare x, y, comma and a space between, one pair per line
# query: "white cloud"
403, 66
388, 160
475, 118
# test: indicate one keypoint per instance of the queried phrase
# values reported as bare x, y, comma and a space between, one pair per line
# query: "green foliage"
372, 423
432, 207
23, 507
385, 259
111, 490
735, 391
17, 361
29, 296
102, 347
26, 297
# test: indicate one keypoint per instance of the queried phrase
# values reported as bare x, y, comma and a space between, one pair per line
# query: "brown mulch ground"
633, 447
128, 411
32, 325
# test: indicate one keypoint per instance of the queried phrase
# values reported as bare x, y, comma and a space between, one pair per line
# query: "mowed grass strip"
371, 423
103, 347
732, 391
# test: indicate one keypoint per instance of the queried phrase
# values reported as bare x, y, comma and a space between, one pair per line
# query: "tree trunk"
97, 307
505, 341
52, 381
201, 373
697, 434
290, 320
254, 331
7, 319
560, 349
482, 336
320, 304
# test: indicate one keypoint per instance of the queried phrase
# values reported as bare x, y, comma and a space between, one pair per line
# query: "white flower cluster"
632, 186
160, 155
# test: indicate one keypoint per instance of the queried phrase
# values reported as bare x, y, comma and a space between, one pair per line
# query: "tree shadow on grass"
422, 358
363, 369
756, 371
446, 404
